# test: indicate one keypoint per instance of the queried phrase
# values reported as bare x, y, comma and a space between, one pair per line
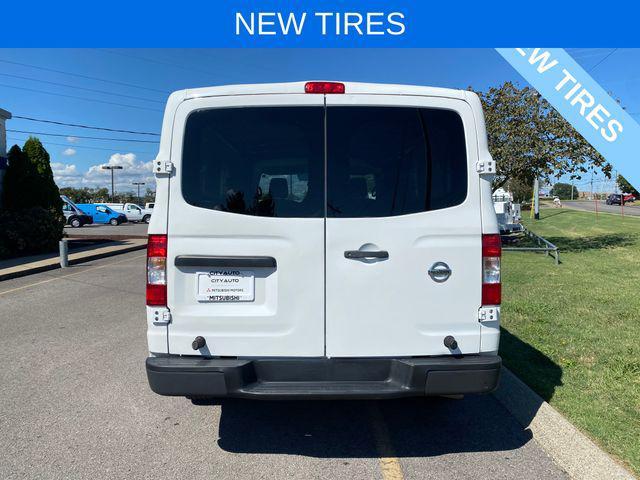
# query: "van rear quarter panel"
489, 331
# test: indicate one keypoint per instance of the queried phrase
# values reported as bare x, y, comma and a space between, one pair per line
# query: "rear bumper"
318, 378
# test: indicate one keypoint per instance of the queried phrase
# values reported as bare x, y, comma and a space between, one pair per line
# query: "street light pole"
112, 168
137, 184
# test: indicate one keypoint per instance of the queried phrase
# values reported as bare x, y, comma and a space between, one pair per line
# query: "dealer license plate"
226, 285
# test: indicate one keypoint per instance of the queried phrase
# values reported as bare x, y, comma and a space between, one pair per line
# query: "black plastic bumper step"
323, 377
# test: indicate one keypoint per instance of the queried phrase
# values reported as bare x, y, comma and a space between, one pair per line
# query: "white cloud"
73, 139
65, 174
133, 170
69, 152
64, 169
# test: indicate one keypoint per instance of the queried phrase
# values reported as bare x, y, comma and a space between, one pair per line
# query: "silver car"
73, 215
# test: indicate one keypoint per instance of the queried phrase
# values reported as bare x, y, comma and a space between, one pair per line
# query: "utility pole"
536, 199
137, 184
619, 191
4, 115
112, 168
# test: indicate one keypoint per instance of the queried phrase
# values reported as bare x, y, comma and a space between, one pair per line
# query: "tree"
32, 221
15, 178
149, 196
626, 187
126, 197
529, 138
522, 191
564, 191
40, 190
86, 194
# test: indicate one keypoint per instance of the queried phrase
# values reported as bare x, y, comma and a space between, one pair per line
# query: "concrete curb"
72, 261
572, 451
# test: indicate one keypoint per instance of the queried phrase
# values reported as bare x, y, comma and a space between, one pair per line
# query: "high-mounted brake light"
323, 87
491, 283
157, 270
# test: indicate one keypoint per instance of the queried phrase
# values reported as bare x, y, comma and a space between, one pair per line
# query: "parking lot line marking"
389, 463
69, 275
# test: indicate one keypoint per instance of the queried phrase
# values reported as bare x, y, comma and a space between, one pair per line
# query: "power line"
183, 67
33, 119
158, 62
79, 98
83, 136
606, 56
115, 82
81, 88
112, 150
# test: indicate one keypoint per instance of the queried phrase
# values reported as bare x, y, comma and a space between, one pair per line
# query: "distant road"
589, 206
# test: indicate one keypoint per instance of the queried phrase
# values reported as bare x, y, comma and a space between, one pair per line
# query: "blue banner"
315, 23
583, 103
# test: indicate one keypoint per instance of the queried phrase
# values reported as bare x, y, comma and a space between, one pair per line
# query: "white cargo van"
323, 240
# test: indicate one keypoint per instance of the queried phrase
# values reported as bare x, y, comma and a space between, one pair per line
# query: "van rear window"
270, 161
387, 161
266, 161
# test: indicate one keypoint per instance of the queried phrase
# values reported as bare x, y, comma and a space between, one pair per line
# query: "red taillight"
491, 282
323, 87
156, 295
491, 245
157, 246
491, 294
157, 270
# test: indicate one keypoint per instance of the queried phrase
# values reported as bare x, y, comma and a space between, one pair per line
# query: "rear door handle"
361, 254
225, 262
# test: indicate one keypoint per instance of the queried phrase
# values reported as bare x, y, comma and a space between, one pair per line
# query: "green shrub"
29, 231
28, 181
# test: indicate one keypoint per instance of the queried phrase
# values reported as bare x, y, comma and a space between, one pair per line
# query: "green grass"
572, 332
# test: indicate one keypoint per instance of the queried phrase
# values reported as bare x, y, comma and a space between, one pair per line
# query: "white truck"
508, 214
133, 212
323, 240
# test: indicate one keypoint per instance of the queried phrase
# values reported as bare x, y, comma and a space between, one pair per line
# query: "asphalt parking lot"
75, 404
97, 229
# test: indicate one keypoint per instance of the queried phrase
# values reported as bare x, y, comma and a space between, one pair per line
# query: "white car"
133, 212
323, 240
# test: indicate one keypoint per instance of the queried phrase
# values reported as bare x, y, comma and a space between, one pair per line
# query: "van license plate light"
226, 285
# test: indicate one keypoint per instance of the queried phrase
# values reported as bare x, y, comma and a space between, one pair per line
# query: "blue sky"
126, 89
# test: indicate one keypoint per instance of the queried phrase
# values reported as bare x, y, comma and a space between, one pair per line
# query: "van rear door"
402, 199
246, 226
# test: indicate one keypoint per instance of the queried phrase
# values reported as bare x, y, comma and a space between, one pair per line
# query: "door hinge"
162, 317
486, 167
489, 314
161, 167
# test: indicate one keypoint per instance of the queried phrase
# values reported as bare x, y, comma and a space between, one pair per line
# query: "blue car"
102, 213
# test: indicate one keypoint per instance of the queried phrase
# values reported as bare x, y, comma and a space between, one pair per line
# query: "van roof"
298, 87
